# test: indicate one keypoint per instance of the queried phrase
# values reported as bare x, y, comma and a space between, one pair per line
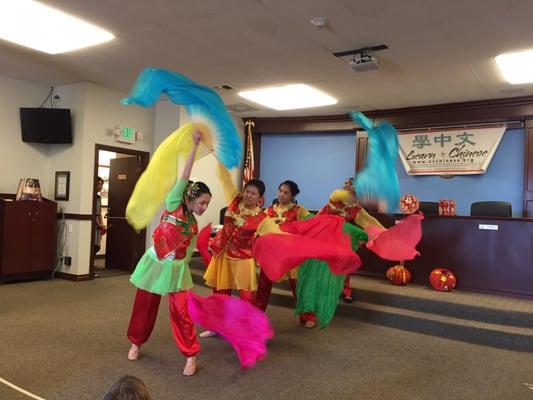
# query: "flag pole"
249, 164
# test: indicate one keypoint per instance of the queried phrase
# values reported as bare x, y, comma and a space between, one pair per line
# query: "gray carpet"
66, 340
99, 268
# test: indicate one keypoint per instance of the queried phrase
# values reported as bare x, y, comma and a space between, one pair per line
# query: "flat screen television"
46, 125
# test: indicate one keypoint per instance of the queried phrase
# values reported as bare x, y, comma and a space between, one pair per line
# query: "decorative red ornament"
409, 204
446, 207
442, 280
399, 275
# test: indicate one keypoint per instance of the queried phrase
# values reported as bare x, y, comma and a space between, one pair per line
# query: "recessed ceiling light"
516, 67
46, 29
289, 97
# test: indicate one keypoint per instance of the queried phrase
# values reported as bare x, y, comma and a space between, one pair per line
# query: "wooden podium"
28, 238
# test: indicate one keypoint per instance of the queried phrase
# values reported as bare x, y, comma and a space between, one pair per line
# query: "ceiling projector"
363, 61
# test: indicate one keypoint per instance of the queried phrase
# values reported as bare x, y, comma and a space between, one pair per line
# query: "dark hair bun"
293, 187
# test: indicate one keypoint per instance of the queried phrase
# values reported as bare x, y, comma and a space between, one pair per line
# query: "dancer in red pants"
164, 268
232, 266
284, 210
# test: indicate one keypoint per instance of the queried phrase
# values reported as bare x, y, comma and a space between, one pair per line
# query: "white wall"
19, 159
101, 112
166, 121
95, 112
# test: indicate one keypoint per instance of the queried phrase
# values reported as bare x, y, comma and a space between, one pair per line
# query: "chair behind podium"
429, 207
491, 209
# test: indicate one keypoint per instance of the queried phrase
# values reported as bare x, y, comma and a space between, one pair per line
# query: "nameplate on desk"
488, 227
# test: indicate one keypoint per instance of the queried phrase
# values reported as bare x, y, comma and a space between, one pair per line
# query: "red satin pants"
264, 288
347, 290
144, 315
246, 295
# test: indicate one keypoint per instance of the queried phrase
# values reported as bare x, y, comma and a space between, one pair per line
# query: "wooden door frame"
144, 157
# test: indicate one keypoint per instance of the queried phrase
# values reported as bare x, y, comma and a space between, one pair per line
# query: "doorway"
120, 247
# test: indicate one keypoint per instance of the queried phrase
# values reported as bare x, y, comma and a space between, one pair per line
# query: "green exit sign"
127, 135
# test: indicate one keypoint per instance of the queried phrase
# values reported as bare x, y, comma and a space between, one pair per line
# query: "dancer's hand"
196, 137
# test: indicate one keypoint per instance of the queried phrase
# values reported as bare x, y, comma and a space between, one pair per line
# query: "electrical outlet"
70, 228
67, 260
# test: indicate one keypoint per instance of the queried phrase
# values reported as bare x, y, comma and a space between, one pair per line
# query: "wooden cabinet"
27, 238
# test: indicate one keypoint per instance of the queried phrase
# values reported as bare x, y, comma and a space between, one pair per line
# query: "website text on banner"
449, 152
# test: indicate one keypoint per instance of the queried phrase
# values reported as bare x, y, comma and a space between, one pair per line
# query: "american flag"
248, 172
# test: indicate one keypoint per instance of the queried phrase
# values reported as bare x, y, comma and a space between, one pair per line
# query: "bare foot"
190, 366
310, 324
134, 352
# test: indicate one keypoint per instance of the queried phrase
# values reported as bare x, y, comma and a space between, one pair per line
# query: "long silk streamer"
378, 181
239, 322
202, 103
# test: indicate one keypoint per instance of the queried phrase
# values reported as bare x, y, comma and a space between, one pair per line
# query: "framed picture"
62, 186
29, 189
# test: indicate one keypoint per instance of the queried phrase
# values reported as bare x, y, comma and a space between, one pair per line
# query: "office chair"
429, 207
491, 209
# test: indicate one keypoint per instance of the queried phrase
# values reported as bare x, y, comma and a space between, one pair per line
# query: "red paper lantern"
442, 280
398, 275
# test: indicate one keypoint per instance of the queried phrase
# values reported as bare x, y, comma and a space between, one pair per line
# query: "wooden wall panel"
481, 259
362, 143
528, 171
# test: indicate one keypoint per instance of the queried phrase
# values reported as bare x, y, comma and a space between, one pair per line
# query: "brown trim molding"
470, 112
118, 149
72, 277
465, 113
322, 124
79, 217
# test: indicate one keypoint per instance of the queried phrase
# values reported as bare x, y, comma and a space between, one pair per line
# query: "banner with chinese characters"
449, 152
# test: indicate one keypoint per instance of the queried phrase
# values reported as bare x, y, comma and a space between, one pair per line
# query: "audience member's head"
99, 184
128, 388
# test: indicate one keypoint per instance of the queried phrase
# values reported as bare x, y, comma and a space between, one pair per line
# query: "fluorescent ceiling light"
46, 29
289, 97
516, 67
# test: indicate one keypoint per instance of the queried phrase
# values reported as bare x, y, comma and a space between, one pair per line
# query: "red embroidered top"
176, 228
240, 226
286, 213
348, 211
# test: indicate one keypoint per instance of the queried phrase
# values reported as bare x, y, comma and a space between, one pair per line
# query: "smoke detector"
319, 22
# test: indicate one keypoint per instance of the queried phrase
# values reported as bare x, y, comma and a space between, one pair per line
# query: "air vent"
223, 87
241, 107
